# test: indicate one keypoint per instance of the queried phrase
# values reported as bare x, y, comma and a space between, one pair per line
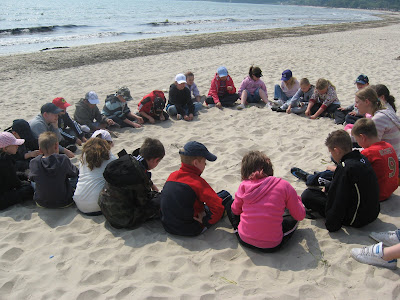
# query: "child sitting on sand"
151, 107
299, 102
380, 154
194, 91
352, 198
116, 108
188, 203
252, 89
324, 101
53, 173
261, 202
222, 91
28, 150
12, 189
87, 113
287, 88
70, 130
129, 197
96, 155
179, 100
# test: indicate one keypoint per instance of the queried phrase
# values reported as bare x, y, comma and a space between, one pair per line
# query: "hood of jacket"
51, 164
391, 115
254, 190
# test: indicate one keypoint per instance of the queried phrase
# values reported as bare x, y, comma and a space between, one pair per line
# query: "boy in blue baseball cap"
222, 91
188, 203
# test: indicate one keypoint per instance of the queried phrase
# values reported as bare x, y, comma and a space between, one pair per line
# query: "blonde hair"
94, 152
304, 81
291, 82
189, 159
369, 93
323, 83
47, 140
256, 162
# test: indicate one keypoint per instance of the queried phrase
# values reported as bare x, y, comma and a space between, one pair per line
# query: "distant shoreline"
92, 54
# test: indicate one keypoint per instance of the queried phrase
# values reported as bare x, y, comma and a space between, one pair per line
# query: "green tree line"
363, 4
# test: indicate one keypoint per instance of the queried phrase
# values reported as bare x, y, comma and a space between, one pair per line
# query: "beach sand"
62, 254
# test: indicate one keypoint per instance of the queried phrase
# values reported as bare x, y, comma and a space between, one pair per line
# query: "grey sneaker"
372, 255
388, 238
240, 106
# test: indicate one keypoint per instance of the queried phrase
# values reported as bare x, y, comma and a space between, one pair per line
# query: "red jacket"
215, 85
147, 103
183, 197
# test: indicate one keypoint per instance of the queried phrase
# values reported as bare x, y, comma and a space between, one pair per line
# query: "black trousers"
18, 195
226, 99
289, 225
315, 200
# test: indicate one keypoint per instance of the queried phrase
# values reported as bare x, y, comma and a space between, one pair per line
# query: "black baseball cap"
194, 148
50, 108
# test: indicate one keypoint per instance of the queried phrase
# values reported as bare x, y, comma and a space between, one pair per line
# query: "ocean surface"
33, 25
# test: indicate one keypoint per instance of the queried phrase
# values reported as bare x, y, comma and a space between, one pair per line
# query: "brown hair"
366, 127
291, 82
323, 83
189, 74
95, 151
304, 81
256, 161
339, 139
382, 90
47, 140
152, 148
368, 93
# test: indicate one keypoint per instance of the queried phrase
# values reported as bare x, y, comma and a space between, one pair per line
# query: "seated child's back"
127, 199
380, 154
188, 203
51, 172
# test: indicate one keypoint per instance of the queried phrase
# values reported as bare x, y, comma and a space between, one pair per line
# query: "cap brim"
181, 81
211, 157
56, 111
222, 74
19, 142
94, 101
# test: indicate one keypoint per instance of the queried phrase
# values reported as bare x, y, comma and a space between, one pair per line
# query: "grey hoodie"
51, 175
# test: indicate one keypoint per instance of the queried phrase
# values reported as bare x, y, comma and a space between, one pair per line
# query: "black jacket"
181, 99
353, 195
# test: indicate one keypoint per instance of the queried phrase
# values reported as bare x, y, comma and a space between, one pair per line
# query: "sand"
61, 254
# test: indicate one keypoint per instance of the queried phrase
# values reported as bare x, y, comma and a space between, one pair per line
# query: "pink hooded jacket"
261, 204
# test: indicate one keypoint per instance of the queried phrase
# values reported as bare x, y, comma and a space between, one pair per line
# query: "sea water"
32, 25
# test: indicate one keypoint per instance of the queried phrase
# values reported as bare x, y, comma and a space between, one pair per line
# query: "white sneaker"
240, 106
388, 238
178, 117
372, 255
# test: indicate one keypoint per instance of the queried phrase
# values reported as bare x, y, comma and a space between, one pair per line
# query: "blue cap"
286, 75
197, 149
222, 71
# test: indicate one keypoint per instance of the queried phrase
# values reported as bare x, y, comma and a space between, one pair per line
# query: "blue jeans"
255, 98
171, 109
279, 94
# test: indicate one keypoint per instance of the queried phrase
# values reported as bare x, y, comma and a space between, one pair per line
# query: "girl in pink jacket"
258, 214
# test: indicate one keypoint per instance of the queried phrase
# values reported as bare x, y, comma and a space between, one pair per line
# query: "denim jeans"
171, 109
279, 94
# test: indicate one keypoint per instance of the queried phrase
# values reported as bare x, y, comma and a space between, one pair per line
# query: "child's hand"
313, 117
162, 118
307, 112
229, 88
140, 120
352, 113
219, 105
200, 217
136, 125
151, 120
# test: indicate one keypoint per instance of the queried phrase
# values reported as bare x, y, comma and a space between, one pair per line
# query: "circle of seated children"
256, 167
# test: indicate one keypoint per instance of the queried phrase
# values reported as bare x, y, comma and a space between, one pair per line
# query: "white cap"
103, 134
180, 78
92, 97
